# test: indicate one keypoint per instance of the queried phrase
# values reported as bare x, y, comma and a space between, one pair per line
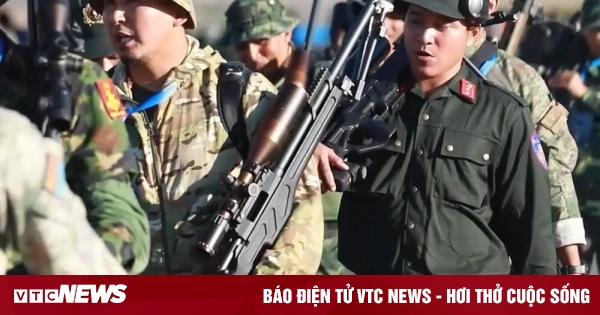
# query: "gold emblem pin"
91, 17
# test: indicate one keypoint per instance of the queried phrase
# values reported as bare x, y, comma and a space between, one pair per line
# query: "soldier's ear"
474, 33
493, 5
179, 21
287, 36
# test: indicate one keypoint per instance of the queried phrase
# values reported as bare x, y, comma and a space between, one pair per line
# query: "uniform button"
486, 157
425, 117
414, 189
397, 143
410, 226
450, 148
420, 152
408, 264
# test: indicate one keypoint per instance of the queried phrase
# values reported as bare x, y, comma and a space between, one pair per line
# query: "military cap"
187, 5
254, 19
449, 8
95, 37
590, 15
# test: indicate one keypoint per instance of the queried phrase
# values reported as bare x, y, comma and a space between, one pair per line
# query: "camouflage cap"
590, 14
254, 19
95, 37
187, 5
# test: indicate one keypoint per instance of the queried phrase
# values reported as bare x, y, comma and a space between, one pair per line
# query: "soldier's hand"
326, 158
569, 80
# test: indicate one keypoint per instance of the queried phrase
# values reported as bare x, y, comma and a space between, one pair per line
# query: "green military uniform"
100, 166
242, 25
459, 191
463, 188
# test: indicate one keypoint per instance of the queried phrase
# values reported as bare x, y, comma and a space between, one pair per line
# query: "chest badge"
468, 90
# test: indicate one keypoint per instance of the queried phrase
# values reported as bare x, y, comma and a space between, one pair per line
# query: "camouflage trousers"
330, 265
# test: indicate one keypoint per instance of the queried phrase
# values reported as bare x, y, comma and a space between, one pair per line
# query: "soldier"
41, 218
265, 46
261, 33
550, 119
464, 188
561, 150
182, 145
99, 167
582, 87
96, 44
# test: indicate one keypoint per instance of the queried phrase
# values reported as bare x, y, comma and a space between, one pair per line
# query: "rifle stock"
260, 200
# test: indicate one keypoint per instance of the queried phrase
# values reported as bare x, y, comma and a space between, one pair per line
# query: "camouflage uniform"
100, 166
550, 119
39, 216
587, 172
241, 27
193, 151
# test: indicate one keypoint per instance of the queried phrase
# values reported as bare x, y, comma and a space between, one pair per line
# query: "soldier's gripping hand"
326, 158
571, 81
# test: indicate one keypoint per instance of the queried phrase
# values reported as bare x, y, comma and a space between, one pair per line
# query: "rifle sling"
233, 79
486, 52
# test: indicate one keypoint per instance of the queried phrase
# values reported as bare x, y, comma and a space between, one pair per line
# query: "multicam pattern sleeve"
193, 151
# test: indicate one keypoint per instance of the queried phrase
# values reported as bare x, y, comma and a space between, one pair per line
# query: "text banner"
289, 295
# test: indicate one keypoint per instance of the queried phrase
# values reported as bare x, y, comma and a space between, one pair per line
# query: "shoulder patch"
538, 151
110, 99
55, 181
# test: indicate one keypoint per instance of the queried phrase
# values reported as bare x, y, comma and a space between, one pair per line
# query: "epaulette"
521, 101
